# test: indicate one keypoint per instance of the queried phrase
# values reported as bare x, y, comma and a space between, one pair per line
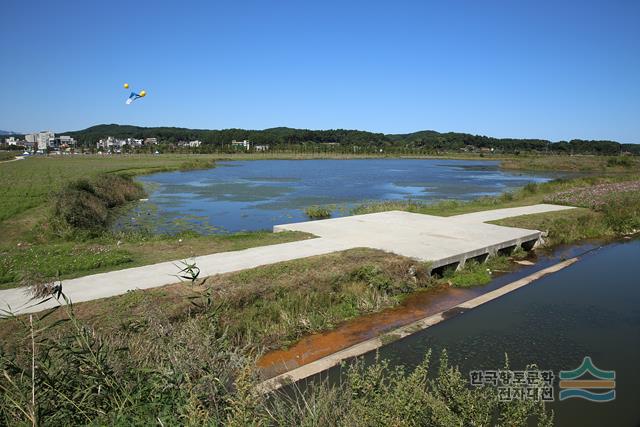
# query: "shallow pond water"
256, 195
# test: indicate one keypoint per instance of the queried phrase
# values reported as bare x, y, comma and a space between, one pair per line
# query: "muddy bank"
417, 306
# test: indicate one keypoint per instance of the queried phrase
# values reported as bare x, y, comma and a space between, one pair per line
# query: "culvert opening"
527, 246
480, 259
443, 269
507, 251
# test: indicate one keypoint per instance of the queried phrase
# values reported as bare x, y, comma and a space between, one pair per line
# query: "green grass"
532, 193
475, 273
70, 259
577, 163
47, 261
185, 354
8, 155
26, 201
29, 183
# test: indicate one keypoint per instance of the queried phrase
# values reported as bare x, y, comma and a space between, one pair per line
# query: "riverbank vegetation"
33, 243
87, 205
54, 213
273, 306
186, 353
318, 212
190, 373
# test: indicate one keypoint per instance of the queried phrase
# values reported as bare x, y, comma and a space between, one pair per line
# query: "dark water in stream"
591, 308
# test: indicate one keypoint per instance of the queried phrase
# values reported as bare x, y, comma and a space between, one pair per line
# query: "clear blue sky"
548, 69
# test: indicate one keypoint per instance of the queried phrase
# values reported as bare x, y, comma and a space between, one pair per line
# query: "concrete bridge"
443, 241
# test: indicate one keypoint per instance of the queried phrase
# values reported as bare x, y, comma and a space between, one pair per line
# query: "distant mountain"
284, 136
7, 132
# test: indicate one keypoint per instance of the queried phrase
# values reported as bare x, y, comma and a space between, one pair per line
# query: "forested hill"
428, 139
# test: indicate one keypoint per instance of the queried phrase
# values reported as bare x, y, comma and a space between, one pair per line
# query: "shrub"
116, 190
530, 188
624, 162
81, 209
622, 212
378, 395
159, 371
85, 204
318, 212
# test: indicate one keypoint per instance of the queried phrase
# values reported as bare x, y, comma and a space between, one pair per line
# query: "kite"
134, 95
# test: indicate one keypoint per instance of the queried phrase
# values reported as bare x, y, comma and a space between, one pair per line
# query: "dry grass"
269, 306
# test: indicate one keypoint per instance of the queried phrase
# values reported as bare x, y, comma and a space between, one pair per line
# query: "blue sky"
548, 69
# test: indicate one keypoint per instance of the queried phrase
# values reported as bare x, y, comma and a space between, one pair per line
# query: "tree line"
422, 140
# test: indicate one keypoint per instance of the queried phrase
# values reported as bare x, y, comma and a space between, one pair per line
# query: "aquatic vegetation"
318, 212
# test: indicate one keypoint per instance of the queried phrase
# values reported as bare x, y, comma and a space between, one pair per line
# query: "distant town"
123, 139
47, 142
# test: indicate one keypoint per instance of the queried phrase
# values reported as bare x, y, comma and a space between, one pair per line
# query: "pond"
591, 308
256, 195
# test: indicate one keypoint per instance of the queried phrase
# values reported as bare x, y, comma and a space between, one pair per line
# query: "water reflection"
255, 195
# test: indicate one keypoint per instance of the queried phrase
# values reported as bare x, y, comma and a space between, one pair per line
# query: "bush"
159, 371
318, 212
81, 209
530, 188
624, 162
85, 205
622, 212
116, 190
379, 395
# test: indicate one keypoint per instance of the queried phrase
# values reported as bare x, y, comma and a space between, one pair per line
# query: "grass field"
31, 249
29, 183
8, 155
184, 353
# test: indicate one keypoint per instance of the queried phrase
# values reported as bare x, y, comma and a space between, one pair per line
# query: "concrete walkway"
13, 160
440, 240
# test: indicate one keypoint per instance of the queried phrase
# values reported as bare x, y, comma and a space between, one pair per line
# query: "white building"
62, 141
110, 142
12, 140
150, 141
134, 142
261, 147
195, 144
241, 144
42, 139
